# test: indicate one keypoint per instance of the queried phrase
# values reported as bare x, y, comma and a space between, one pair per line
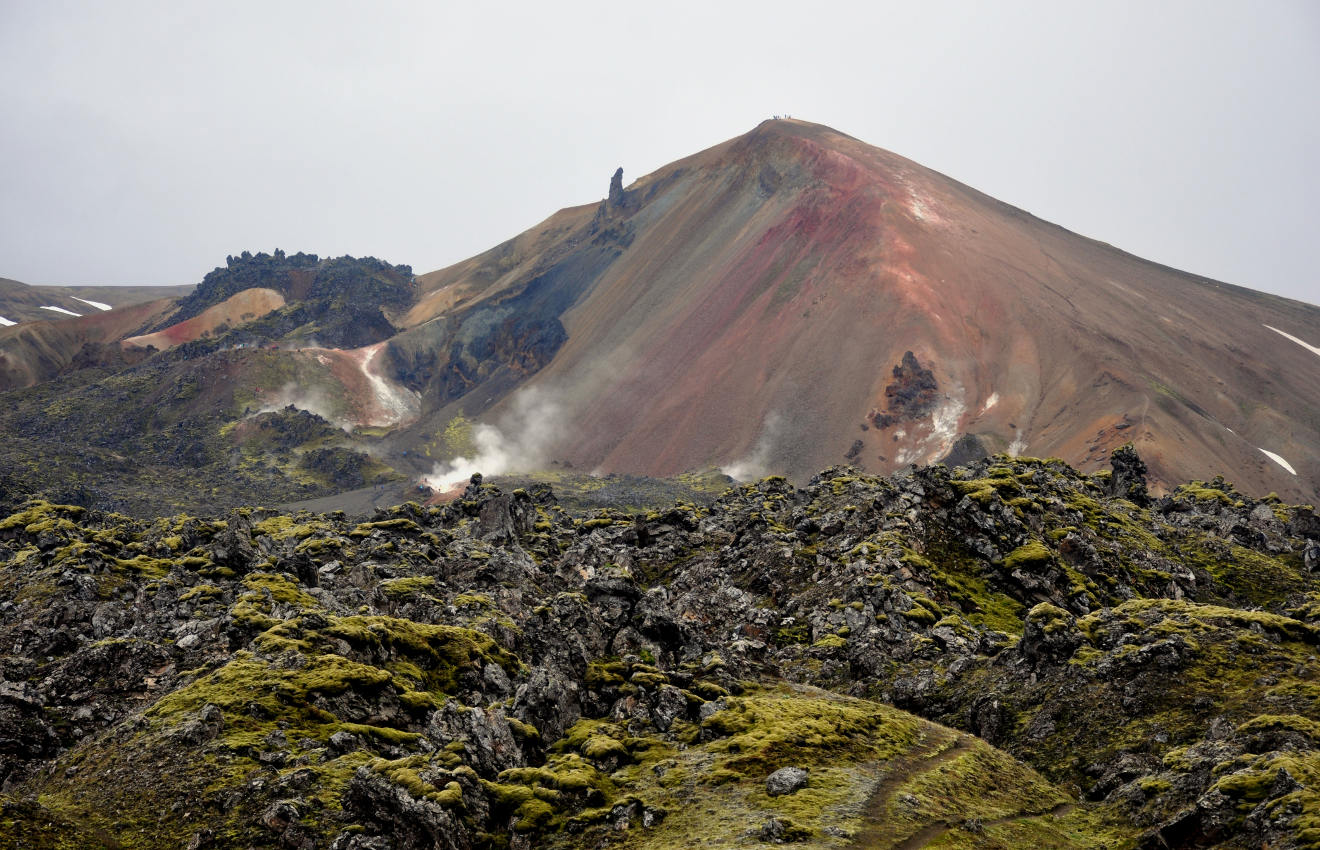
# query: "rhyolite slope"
795, 298
1004, 654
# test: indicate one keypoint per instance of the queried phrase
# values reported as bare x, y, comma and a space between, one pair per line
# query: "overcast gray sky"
142, 142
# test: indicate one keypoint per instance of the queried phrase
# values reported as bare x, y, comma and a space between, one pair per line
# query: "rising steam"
521, 442
757, 464
310, 399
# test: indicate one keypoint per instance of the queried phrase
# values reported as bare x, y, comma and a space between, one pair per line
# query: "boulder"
786, 780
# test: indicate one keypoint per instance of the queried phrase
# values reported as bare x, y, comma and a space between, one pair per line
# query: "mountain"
1007, 654
20, 302
755, 305
787, 300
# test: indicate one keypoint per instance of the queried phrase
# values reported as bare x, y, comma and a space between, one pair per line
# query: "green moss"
983, 490
248, 680
1304, 726
523, 731
201, 593
143, 566
399, 588
281, 588
601, 748
283, 527
39, 516
545, 799
604, 673
924, 611
1030, 556
447, 651
1198, 491
1051, 618
398, 524
791, 633
406, 774
648, 680
980, 782
397, 737
763, 730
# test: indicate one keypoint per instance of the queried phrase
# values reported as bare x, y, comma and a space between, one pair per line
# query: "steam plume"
522, 441
757, 464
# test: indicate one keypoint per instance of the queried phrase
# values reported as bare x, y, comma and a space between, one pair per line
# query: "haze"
144, 142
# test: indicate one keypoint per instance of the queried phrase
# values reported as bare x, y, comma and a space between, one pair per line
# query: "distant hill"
20, 302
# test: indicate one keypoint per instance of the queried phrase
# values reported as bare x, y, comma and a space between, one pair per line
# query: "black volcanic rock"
912, 394
1128, 478
616, 198
496, 670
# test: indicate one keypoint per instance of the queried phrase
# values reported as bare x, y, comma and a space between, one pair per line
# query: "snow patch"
1272, 456
5, 323
60, 310
1311, 348
97, 304
990, 403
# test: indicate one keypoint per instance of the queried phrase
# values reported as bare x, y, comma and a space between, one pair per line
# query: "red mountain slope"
754, 303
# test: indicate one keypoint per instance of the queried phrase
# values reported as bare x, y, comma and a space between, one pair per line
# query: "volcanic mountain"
785, 301
795, 298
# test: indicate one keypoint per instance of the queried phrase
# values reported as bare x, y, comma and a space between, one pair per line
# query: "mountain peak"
757, 297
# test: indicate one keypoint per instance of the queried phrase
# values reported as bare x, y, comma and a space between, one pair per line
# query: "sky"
143, 142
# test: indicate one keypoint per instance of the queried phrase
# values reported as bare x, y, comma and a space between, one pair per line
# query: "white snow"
1313, 349
990, 402
5, 323
1272, 456
60, 310
97, 304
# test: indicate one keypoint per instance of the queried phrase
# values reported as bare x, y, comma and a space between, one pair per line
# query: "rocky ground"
1005, 654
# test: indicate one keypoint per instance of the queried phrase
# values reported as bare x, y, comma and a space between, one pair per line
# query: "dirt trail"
878, 833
